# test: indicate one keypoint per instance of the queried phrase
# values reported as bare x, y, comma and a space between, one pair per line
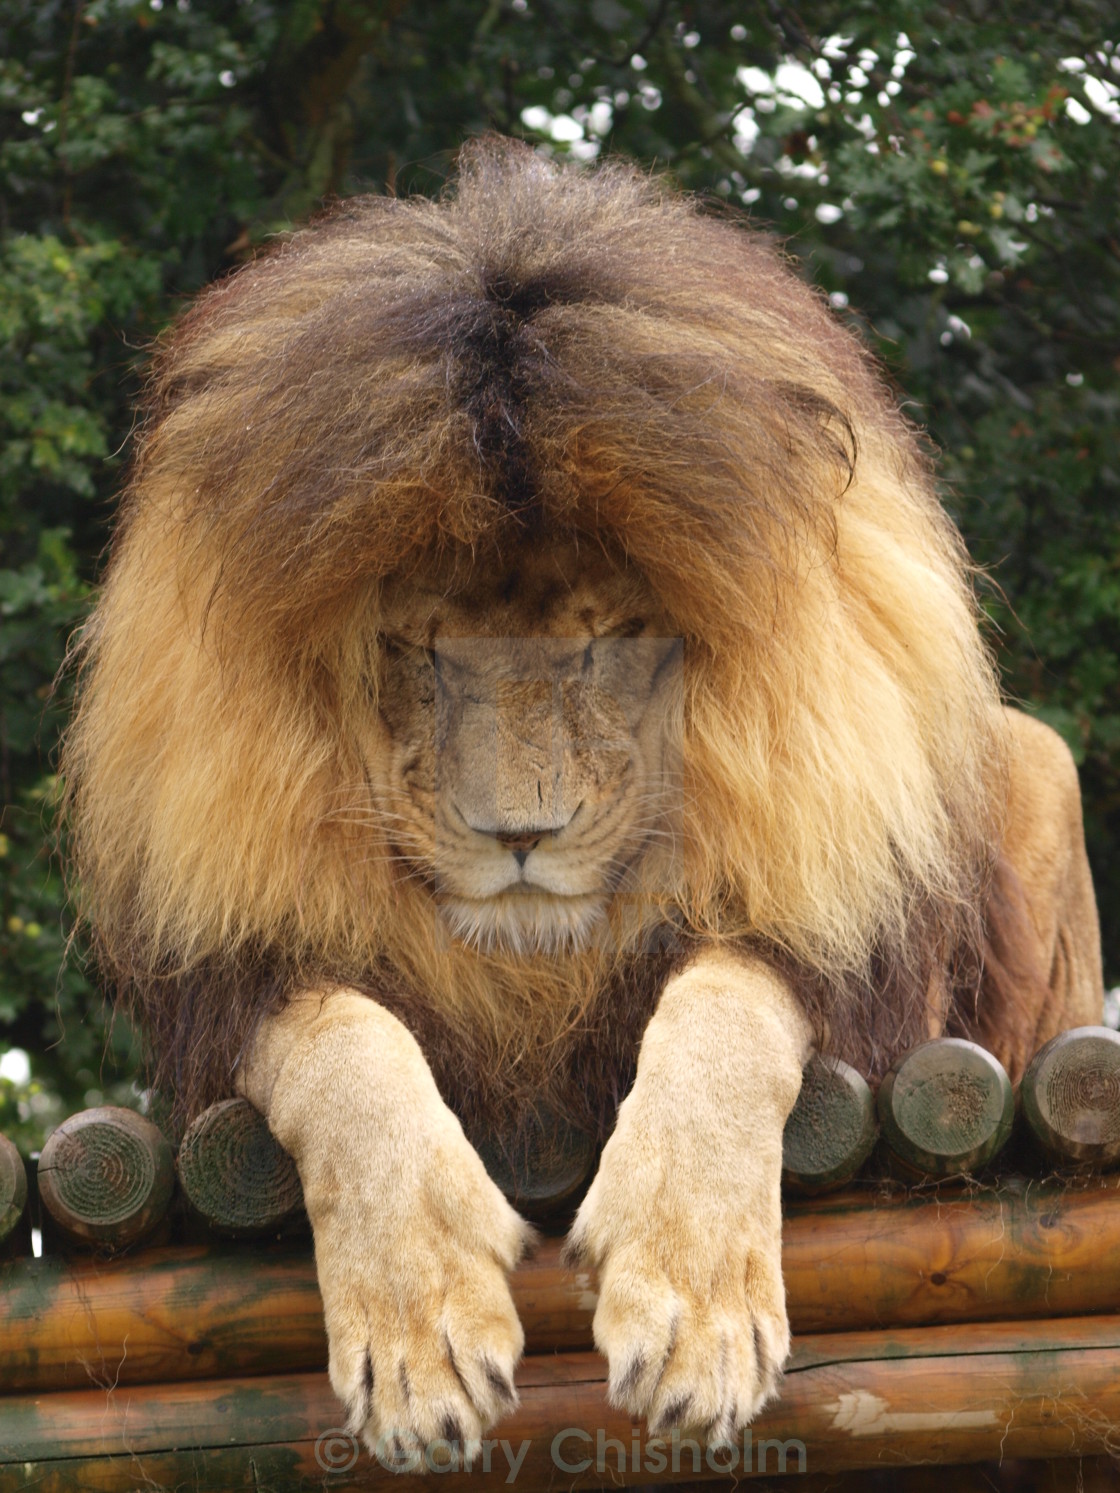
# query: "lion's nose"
521, 844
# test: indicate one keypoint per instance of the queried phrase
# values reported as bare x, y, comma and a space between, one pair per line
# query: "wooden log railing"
952, 1321
855, 1261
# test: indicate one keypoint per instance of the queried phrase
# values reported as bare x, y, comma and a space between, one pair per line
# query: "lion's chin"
525, 923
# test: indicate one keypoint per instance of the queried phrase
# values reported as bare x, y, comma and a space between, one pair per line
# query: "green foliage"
949, 170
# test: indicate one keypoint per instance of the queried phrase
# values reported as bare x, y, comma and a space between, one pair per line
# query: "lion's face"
526, 751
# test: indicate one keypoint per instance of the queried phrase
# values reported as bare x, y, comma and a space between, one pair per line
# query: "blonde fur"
559, 407
543, 352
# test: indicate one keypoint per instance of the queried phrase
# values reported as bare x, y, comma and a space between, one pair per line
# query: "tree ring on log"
832, 1128
106, 1176
235, 1174
1071, 1096
947, 1107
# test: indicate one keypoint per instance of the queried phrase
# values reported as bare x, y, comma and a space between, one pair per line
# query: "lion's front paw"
691, 1315
687, 1353
423, 1333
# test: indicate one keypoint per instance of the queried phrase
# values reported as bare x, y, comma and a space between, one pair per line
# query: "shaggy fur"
543, 353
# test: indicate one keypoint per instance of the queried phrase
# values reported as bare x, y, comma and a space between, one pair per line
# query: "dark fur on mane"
573, 355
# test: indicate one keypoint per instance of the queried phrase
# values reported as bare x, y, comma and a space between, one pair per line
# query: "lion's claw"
689, 1362
691, 1313
424, 1337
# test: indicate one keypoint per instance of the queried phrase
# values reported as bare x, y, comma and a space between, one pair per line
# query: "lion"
534, 668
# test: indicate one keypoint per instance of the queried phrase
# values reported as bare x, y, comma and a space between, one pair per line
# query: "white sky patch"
828, 212
561, 127
581, 131
1101, 92
746, 131
1103, 95
15, 1066
807, 170
754, 80
598, 119
795, 86
793, 79
790, 84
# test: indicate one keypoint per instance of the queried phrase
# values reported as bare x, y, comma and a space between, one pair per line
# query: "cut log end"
545, 1171
235, 1174
832, 1128
947, 1107
106, 1176
13, 1188
1071, 1097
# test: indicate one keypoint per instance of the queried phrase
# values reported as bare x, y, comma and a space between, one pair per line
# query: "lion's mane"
544, 351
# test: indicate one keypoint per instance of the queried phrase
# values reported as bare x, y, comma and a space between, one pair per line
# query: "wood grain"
106, 1176
850, 1401
851, 1261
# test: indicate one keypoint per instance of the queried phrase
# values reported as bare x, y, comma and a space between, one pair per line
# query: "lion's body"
562, 408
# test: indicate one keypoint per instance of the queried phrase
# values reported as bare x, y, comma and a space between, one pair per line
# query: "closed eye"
394, 648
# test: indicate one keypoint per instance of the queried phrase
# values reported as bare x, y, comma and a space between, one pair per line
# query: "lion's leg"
1043, 956
683, 1219
413, 1241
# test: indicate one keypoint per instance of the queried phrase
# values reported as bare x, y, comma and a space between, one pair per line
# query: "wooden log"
832, 1129
235, 1175
849, 1401
850, 1261
106, 1176
946, 1108
1042, 1475
545, 1172
13, 1192
1070, 1097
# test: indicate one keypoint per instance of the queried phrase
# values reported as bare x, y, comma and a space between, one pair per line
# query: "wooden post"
106, 1176
545, 1171
14, 1230
947, 1107
235, 1175
1070, 1097
832, 1128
